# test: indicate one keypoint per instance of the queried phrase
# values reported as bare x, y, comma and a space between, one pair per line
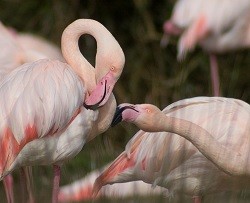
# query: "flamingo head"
169, 29
144, 116
108, 71
100, 95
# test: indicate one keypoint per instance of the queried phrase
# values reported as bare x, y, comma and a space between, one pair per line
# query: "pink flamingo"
81, 190
15, 53
170, 161
42, 114
218, 26
19, 49
35, 43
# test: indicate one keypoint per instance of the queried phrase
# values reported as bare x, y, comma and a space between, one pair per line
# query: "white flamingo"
43, 120
81, 190
218, 26
18, 49
168, 160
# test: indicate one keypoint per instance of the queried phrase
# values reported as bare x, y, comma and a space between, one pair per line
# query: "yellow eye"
148, 110
112, 68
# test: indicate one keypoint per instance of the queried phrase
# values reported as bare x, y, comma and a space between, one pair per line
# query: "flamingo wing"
208, 21
219, 14
37, 100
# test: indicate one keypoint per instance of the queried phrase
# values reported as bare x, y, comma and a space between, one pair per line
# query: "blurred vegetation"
151, 74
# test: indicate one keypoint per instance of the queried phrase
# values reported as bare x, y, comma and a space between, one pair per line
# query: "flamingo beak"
100, 95
118, 114
117, 117
91, 99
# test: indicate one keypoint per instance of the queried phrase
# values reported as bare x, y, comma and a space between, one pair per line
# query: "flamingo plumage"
38, 44
81, 190
43, 120
218, 26
162, 157
19, 49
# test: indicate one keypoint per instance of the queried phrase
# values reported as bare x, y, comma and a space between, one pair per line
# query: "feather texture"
168, 160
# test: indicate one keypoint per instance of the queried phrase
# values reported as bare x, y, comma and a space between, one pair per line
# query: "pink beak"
100, 95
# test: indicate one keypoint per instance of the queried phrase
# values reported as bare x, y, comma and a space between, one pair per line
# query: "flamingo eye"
112, 68
148, 110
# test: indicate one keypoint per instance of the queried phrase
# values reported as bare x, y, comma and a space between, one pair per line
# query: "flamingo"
218, 26
44, 115
35, 43
81, 190
165, 157
15, 54
19, 49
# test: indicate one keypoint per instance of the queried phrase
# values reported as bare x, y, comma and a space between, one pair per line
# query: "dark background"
151, 74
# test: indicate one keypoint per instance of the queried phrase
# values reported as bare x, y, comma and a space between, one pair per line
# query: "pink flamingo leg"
214, 75
8, 186
56, 181
197, 199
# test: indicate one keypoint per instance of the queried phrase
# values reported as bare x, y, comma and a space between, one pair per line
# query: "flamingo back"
37, 100
37, 44
10, 58
220, 15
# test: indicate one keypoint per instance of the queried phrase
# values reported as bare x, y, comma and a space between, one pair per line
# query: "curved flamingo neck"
108, 51
72, 53
230, 162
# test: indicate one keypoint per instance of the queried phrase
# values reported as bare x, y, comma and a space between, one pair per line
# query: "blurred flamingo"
170, 161
81, 190
16, 52
38, 44
18, 49
218, 26
42, 115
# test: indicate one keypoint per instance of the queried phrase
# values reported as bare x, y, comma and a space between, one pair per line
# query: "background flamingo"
53, 125
218, 26
168, 160
38, 44
81, 190
18, 50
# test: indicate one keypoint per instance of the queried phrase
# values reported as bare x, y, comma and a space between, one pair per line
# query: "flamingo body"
43, 119
82, 189
18, 49
30, 111
10, 57
34, 43
219, 26
171, 161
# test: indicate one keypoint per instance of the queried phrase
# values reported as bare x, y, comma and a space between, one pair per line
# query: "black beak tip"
117, 117
116, 120
91, 107
97, 105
